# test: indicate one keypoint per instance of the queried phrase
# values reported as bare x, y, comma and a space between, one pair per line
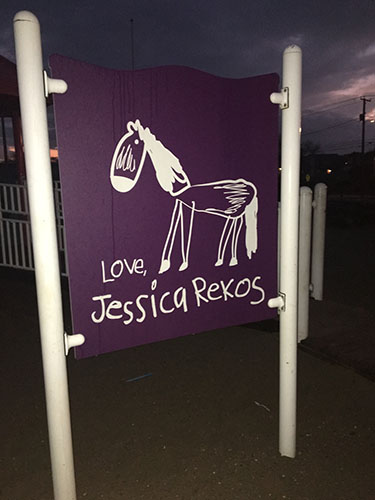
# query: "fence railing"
60, 222
13, 199
15, 228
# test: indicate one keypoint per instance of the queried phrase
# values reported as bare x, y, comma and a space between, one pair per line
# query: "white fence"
15, 228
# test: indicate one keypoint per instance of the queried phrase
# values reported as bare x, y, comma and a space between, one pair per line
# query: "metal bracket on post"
53, 85
281, 98
278, 302
73, 341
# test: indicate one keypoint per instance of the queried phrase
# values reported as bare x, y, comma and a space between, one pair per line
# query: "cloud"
369, 51
356, 86
234, 39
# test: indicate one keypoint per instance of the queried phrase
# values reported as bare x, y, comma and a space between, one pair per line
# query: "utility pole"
362, 118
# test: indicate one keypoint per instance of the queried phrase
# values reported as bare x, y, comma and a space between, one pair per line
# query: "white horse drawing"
234, 200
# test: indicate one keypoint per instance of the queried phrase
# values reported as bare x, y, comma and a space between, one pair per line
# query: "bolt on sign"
169, 185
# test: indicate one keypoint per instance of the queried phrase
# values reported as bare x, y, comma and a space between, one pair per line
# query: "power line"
331, 126
345, 147
351, 147
335, 105
342, 143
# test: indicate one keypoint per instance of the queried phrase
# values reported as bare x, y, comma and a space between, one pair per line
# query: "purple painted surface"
216, 129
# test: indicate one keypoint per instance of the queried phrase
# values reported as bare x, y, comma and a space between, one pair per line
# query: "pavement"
203, 424
342, 325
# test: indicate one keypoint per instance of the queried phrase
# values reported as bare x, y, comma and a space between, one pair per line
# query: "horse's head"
128, 158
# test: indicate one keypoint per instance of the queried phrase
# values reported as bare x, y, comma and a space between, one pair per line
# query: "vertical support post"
290, 168
5, 145
318, 240
39, 180
278, 243
20, 160
305, 209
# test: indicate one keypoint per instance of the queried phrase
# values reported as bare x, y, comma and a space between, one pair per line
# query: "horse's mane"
168, 168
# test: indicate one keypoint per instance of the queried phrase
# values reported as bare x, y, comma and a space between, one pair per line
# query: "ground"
203, 424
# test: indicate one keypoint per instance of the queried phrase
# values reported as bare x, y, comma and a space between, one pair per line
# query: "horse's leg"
168, 245
228, 227
236, 233
186, 238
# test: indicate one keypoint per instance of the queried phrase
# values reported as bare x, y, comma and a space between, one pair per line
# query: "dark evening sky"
236, 38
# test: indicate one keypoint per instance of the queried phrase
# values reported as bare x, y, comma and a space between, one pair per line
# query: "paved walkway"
204, 424
342, 326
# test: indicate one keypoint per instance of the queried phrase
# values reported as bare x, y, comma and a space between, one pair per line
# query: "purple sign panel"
169, 184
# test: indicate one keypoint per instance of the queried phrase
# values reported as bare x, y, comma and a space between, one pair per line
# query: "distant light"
53, 153
280, 169
372, 121
329, 171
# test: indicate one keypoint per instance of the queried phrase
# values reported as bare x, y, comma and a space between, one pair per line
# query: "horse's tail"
251, 221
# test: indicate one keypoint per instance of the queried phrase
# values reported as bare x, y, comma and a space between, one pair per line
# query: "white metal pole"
318, 240
305, 209
39, 183
290, 165
278, 243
